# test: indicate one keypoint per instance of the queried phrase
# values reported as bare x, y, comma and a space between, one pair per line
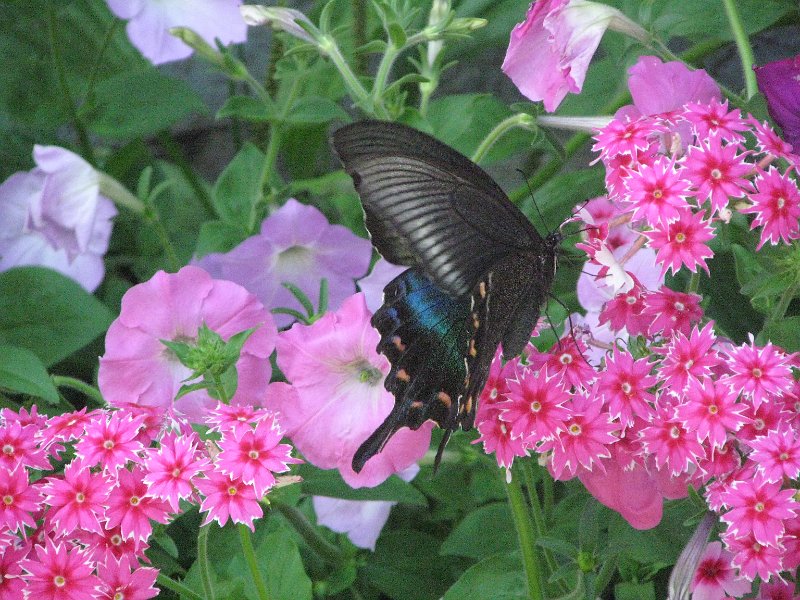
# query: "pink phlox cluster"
80, 530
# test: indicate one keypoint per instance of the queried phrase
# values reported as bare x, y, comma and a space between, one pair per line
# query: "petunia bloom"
549, 53
779, 81
296, 245
715, 576
149, 22
138, 370
54, 216
337, 398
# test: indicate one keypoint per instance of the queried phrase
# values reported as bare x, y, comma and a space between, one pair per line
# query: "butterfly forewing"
479, 273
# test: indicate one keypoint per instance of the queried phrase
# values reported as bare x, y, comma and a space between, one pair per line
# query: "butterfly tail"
375, 443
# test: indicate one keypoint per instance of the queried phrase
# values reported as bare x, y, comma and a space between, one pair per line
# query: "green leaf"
498, 577
635, 591
785, 333
248, 109
705, 21
238, 190
407, 565
218, 236
48, 313
312, 110
558, 546
22, 372
317, 482
469, 536
281, 568
140, 103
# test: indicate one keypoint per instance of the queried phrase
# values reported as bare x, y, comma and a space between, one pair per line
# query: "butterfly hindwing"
423, 334
428, 206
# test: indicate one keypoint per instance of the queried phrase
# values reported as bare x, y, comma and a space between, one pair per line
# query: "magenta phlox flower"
626, 311
68, 426
584, 439
686, 357
77, 500
759, 372
672, 311
777, 454
780, 84
718, 171
624, 385
494, 394
131, 507
54, 216
754, 559
715, 576
24, 416
337, 398
776, 206
60, 572
254, 455
780, 590
663, 87
549, 53
598, 212
171, 469
711, 410
297, 245
759, 507
372, 285
671, 444
110, 543
769, 142
19, 446
714, 118
497, 439
624, 485
228, 498
18, 499
720, 460
658, 192
566, 359
534, 409
769, 416
149, 22
682, 242
228, 416
11, 582
626, 137
110, 440
125, 579
138, 370
361, 520
791, 543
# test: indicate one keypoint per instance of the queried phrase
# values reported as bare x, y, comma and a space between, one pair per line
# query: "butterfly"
478, 273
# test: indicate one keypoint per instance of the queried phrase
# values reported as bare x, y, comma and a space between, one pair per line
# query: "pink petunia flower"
759, 507
137, 370
228, 498
131, 508
110, 440
255, 454
54, 216
548, 55
624, 384
777, 454
534, 409
779, 82
149, 22
77, 500
60, 572
759, 372
717, 171
171, 469
125, 579
18, 500
296, 245
711, 411
682, 242
337, 398
715, 576
372, 285
776, 205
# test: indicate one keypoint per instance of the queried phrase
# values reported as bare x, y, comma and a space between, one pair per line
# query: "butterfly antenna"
536, 206
571, 329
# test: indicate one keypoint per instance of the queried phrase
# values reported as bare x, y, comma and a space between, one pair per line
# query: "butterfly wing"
430, 207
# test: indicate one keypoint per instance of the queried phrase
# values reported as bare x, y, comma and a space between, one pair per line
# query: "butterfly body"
478, 272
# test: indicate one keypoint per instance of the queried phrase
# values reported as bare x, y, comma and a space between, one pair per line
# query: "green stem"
784, 301
357, 92
252, 563
518, 120
526, 535
119, 194
309, 533
91, 392
382, 76
202, 559
694, 283
99, 58
176, 155
538, 517
176, 586
743, 46
359, 8
220, 389
87, 150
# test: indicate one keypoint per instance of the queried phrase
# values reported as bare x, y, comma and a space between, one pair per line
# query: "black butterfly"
478, 273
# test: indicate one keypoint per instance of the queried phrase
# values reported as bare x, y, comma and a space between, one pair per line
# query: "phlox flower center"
176, 472
680, 237
759, 507
781, 202
675, 432
119, 596
493, 394
231, 491
565, 359
59, 581
679, 306
80, 497
134, 501
575, 429
758, 424
253, 454
108, 444
8, 500
713, 409
716, 174
756, 372
536, 406
8, 449
115, 540
626, 388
